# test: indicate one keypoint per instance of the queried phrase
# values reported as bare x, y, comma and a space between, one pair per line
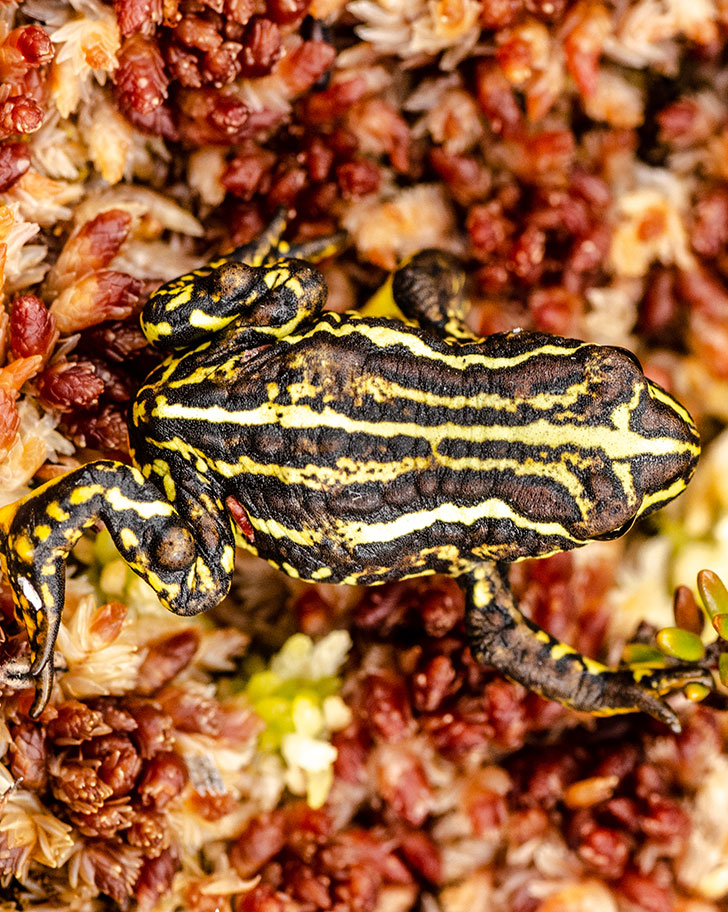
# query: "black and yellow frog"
354, 449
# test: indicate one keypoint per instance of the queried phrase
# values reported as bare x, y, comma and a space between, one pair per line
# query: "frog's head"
665, 475
658, 442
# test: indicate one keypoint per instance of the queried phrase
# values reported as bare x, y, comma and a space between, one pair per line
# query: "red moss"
358, 178
435, 683
606, 852
556, 310
14, 162
287, 12
75, 722
140, 80
262, 898
32, 327
213, 117
332, 103
149, 833
261, 47
115, 869
486, 809
422, 854
24, 48
465, 176
163, 779
497, 100
77, 784
20, 114
506, 714
191, 712
710, 226
165, 658
496, 14
305, 65
402, 782
103, 429
153, 732
29, 755
155, 879
386, 707
119, 763
645, 892
249, 172
95, 298
134, 15
69, 384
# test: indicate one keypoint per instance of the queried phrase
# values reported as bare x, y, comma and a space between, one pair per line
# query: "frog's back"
364, 443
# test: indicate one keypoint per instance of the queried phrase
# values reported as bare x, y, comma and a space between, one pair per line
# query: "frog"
352, 449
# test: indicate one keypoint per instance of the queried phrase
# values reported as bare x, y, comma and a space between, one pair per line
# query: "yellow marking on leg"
24, 549
202, 320
184, 297
45, 594
155, 331
559, 650
120, 502
482, 593
227, 562
170, 489
128, 538
56, 512
84, 493
593, 667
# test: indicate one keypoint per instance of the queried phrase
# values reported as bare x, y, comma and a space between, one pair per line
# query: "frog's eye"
174, 548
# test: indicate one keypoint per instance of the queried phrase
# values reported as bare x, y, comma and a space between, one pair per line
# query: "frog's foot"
17, 674
502, 637
630, 689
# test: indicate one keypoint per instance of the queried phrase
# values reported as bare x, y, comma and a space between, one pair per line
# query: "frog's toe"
636, 689
17, 674
43, 685
667, 680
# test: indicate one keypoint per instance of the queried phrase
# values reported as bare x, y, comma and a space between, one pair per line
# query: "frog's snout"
672, 448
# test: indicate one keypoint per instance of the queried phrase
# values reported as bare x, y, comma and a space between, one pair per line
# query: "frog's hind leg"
189, 572
501, 636
429, 288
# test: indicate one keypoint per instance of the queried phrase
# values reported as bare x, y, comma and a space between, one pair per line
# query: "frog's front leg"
268, 302
501, 636
189, 571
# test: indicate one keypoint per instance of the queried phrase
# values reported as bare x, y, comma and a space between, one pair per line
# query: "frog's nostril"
174, 549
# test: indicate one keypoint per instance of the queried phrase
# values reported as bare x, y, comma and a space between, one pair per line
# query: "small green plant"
297, 696
683, 641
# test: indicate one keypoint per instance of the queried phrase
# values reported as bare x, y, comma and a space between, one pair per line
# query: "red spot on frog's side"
237, 511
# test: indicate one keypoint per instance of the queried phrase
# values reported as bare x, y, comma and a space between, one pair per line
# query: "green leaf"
723, 668
642, 654
680, 644
713, 593
720, 623
696, 691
